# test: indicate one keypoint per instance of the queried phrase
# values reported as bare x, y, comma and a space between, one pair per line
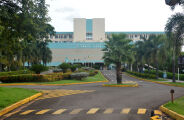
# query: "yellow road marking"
157, 112
141, 111
108, 111
75, 111
60, 111
27, 112
92, 110
42, 111
125, 111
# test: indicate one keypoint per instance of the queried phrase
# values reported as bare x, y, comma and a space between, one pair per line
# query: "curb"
154, 81
17, 104
106, 85
172, 113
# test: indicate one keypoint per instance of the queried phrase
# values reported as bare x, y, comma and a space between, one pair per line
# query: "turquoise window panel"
89, 25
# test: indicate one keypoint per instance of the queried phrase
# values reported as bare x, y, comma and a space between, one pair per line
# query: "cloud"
71, 16
64, 9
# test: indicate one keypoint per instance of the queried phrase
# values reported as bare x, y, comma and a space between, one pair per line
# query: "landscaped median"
159, 81
174, 110
12, 98
90, 79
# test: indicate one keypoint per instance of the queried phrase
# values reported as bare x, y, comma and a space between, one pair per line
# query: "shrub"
79, 76
73, 67
57, 70
38, 68
88, 68
143, 75
32, 78
64, 66
16, 72
67, 75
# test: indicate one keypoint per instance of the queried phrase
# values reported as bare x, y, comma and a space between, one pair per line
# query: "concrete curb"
15, 105
106, 85
154, 81
171, 113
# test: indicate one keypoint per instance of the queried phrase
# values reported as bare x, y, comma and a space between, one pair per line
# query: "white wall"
79, 30
99, 29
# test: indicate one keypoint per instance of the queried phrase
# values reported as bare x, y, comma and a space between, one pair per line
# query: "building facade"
85, 44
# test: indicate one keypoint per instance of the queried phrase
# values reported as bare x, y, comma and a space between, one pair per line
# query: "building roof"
117, 32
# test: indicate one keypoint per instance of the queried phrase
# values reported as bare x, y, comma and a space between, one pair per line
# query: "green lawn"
97, 77
176, 83
9, 96
177, 106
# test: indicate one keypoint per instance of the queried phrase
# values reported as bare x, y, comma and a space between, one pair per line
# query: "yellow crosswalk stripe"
108, 111
42, 111
60, 111
26, 112
125, 111
157, 112
92, 110
141, 111
75, 111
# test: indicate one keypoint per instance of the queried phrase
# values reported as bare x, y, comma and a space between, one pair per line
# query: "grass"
176, 83
97, 77
177, 106
9, 96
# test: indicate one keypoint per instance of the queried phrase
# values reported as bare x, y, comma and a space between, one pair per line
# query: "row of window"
62, 36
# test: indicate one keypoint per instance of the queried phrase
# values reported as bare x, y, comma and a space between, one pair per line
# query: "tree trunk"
173, 65
157, 69
131, 67
148, 68
173, 69
118, 73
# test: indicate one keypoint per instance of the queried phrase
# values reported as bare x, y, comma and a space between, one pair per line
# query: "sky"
120, 15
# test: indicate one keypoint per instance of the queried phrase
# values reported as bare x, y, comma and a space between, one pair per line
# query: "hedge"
16, 72
31, 78
143, 75
80, 75
169, 74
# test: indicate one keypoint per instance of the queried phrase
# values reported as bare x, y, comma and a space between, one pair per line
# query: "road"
94, 102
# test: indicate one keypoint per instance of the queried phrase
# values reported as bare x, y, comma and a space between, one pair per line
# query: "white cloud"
120, 15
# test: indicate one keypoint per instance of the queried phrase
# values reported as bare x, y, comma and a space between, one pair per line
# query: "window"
89, 36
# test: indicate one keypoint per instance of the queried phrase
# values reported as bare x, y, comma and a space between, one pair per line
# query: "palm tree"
116, 51
175, 29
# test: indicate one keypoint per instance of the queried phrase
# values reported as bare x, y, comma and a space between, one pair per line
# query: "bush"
57, 70
31, 78
143, 75
88, 68
73, 68
16, 72
64, 66
67, 75
38, 68
79, 76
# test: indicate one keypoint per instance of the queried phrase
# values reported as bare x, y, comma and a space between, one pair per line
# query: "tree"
116, 51
174, 30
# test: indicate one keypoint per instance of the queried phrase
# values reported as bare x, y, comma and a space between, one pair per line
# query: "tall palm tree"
175, 29
116, 51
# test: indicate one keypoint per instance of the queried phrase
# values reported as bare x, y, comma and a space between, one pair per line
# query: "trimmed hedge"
31, 78
143, 75
16, 72
79, 76
169, 74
